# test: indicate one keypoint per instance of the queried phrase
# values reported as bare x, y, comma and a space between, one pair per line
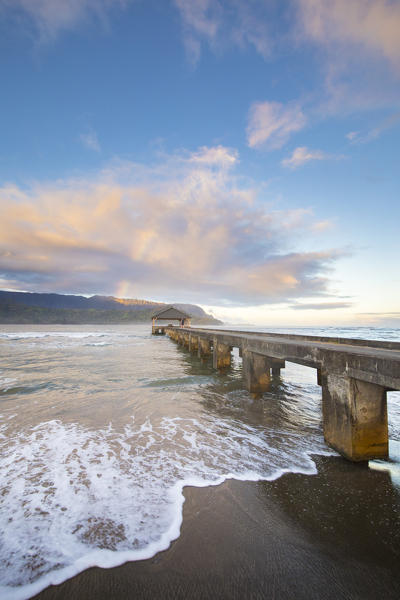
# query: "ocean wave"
26, 335
6, 383
11, 389
75, 498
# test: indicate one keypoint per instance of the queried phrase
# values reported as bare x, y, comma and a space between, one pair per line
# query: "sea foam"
75, 498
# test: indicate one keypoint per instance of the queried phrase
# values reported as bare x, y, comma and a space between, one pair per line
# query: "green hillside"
18, 313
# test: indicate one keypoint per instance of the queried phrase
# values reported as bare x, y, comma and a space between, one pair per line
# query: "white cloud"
201, 20
90, 140
185, 227
251, 28
321, 305
352, 135
217, 155
302, 155
321, 226
221, 24
50, 17
270, 124
389, 122
380, 319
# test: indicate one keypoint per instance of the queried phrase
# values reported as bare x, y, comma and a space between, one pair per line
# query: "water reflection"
286, 405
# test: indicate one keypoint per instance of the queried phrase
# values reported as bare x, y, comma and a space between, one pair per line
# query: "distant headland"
35, 308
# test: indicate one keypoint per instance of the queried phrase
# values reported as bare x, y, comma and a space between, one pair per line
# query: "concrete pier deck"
355, 376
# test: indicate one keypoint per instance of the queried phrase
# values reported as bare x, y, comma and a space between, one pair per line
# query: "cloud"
220, 24
201, 20
356, 44
359, 26
369, 26
321, 306
270, 124
381, 314
372, 25
217, 156
356, 137
387, 123
380, 319
51, 17
186, 228
357, 51
303, 155
90, 140
352, 135
251, 28
320, 226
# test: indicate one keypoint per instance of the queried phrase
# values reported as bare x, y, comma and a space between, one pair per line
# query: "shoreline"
330, 535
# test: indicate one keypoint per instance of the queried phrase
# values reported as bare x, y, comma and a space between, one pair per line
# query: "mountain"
29, 307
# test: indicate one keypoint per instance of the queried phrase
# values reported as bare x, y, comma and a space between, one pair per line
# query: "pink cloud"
371, 24
184, 226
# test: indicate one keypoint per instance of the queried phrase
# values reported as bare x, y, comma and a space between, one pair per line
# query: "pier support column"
256, 372
204, 348
221, 355
276, 366
186, 337
193, 343
355, 417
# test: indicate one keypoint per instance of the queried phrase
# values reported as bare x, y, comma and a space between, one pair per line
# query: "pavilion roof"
170, 312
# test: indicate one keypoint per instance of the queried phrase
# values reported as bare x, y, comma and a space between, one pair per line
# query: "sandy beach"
328, 536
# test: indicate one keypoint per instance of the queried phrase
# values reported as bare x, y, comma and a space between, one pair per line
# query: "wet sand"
328, 536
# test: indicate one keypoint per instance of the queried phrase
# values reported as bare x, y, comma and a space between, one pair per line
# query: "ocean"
101, 428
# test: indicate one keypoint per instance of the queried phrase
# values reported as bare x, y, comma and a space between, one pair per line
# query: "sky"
242, 155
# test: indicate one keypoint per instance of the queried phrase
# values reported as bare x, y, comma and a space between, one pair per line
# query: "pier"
355, 376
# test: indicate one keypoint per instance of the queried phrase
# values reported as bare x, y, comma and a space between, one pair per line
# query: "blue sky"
242, 155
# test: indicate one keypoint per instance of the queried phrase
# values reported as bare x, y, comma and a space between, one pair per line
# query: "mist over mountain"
30, 307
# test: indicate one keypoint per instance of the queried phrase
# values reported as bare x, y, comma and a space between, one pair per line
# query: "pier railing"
355, 376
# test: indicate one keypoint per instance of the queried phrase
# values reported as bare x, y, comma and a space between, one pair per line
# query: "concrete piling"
355, 417
193, 343
221, 355
276, 366
256, 372
204, 347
